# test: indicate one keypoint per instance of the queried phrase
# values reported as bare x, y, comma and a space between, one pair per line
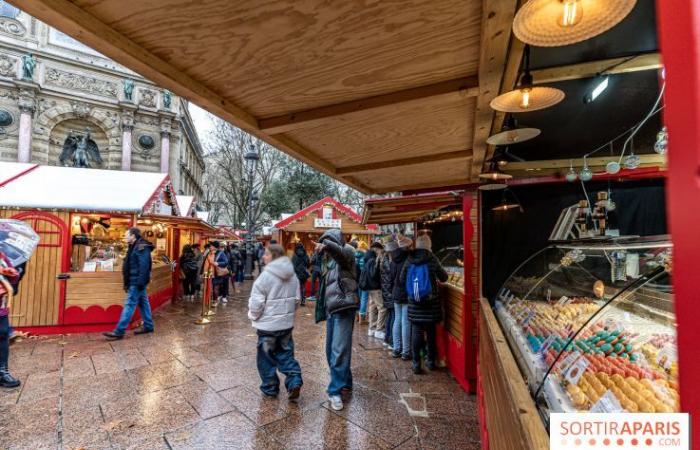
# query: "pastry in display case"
592, 326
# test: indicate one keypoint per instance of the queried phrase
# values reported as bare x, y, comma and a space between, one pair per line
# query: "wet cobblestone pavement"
189, 386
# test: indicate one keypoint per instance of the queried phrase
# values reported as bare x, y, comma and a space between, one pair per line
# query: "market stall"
73, 281
308, 224
451, 220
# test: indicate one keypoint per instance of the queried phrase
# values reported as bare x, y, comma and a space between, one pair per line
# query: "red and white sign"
621, 431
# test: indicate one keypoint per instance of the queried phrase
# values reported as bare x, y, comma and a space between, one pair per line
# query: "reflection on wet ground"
196, 387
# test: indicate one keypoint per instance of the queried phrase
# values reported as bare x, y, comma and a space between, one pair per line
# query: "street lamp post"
251, 161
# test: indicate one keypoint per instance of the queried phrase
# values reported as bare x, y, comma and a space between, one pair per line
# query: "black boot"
431, 365
417, 369
7, 380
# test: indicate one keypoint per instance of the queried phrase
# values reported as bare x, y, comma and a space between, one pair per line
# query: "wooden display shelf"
511, 418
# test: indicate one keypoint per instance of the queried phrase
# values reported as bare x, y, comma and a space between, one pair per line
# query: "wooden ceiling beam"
419, 186
497, 21
553, 164
647, 61
465, 87
423, 159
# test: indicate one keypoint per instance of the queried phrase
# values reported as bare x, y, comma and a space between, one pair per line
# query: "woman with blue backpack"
420, 276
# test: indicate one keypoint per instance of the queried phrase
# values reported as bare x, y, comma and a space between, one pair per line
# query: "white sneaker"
370, 333
224, 300
379, 335
336, 402
390, 347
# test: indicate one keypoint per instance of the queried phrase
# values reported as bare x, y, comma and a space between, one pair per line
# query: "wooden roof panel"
413, 129
276, 56
435, 174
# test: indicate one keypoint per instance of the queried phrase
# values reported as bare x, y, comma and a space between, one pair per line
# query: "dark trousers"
189, 283
221, 286
276, 352
4, 341
389, 335
302, 288
315, 278
420, 332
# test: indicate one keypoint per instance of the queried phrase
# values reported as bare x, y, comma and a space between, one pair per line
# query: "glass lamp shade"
553, 23
586, 174
527, 99
513, 136
505, 206
494, 173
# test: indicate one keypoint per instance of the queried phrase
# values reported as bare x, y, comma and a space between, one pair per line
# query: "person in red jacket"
9, 279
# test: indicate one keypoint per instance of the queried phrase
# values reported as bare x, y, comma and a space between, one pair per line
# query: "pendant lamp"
494, 173
553, 23
506, 204
512, 134
526, 97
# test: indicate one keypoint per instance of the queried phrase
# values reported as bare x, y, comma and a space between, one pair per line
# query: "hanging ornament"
586, 173
571, 176
661, 145
631, 161
612, 167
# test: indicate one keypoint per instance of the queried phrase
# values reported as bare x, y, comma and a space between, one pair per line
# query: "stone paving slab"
188, 386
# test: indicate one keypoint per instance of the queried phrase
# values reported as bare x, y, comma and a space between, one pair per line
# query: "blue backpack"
418, 286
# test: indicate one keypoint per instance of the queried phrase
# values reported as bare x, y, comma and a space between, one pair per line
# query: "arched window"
7, 10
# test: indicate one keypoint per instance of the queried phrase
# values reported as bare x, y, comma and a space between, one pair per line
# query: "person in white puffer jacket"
271, 307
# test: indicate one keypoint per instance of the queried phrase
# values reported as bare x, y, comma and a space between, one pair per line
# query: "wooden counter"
453, 297
512, 421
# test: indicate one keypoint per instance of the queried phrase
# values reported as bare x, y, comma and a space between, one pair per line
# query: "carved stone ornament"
165, 125
8, 66
69, 80
146, 142
27, 101
127, 120
12, 27
82, 110
147, 98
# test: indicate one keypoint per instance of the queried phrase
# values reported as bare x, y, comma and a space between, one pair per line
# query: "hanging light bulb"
494, 173
572, 12
661, 145
631, 161
586, 173
525, 102
571, 176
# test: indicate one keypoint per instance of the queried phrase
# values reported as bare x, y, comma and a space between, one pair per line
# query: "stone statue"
128, 89
28, 66
80, 151
167, 99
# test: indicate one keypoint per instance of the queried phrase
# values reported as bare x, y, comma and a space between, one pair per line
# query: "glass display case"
592, 326
451, 260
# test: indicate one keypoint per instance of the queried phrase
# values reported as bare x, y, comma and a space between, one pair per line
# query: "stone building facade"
73, 94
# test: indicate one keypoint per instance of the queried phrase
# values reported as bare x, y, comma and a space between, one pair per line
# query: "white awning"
10, 170
49, 187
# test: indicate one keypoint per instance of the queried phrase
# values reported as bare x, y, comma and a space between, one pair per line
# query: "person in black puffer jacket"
402, 327
425, 314
301, 262
387, 285
339, 294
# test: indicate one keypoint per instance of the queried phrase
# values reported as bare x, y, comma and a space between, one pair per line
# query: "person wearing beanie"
402, 328
360, 250
370, 282
387, 285
424, 313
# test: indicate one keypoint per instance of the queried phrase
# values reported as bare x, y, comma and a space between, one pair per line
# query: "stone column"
127, 127
166, 120
27, 105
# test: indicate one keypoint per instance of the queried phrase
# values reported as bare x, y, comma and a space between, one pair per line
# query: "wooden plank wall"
512, 420
454, 311
38, 300
105, 289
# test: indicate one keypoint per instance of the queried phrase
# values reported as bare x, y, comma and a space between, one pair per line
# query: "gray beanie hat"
390, 245
423, 241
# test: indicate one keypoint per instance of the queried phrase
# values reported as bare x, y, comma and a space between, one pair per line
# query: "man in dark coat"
339, 297
426, 313
387, 286
301, 262
136, 273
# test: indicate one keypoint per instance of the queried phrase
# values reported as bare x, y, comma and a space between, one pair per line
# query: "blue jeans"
276, 352
339, 327
135, 297
239, 274
364, 296
402, 330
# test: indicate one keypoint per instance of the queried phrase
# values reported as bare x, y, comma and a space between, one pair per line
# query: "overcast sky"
203, 122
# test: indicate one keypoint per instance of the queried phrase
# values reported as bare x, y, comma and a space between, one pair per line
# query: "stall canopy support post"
679, 25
